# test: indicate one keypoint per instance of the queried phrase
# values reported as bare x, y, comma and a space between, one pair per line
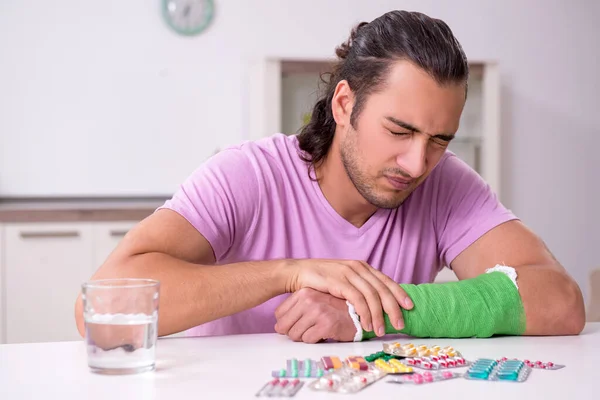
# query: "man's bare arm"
552, 300
167, 248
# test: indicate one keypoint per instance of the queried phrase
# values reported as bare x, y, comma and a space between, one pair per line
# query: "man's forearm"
552, 300
194, 294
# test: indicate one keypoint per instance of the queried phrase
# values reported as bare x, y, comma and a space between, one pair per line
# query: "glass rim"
128, 283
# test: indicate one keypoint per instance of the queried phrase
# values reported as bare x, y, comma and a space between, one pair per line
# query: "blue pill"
508, 375
478, 374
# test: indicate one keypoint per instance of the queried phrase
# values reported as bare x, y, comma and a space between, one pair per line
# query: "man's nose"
414, 159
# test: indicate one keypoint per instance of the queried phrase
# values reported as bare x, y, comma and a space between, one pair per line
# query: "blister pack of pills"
280, 388
392, 367
425, 377
381, 355
494, 370
300, 369
441, 361
331, 362
538, 364
347, 380
357, 362
410, 350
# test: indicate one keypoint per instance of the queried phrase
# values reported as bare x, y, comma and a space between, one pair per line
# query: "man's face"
400, 135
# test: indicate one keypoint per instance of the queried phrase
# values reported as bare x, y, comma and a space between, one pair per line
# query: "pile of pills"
393, 366
503, 370
410, 350
425, 377
280, 388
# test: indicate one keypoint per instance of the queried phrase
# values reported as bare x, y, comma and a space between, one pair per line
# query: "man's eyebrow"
405, 125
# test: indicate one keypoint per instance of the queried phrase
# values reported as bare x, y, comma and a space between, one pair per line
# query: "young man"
365, 198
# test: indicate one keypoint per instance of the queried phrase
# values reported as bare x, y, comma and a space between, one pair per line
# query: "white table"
235, 367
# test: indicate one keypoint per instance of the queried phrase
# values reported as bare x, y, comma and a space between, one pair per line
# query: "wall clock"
188, 17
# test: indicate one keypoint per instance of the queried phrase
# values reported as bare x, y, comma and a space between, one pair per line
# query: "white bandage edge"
505, 269
358, 336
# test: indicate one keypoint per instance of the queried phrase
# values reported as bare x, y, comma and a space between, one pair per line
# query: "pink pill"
550, 364
427, 373
447, 374
428, 378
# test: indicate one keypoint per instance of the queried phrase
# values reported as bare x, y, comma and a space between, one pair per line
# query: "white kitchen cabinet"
2, 285
44, 267
107, 236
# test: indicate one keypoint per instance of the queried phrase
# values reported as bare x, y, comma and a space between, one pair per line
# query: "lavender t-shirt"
256, 201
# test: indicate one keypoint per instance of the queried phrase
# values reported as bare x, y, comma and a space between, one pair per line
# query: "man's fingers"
286, 321
373, 301
399, 293
314, 334
286, 305
300, 327
388, 300
356, 298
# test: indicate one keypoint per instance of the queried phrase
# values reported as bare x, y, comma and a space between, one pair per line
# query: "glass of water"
121, 319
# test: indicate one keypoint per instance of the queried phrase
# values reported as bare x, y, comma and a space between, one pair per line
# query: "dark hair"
365, 58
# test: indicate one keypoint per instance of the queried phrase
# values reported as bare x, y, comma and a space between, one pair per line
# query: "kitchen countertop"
77, 209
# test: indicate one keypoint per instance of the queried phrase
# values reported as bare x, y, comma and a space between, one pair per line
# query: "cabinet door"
2, 286
107, 236
45, 265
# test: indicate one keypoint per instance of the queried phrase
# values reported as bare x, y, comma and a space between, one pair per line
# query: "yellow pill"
424, 353
422, 347
395, 363
411, 352
451, 354
449, 348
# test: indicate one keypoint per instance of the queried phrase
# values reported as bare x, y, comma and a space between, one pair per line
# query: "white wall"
87, 83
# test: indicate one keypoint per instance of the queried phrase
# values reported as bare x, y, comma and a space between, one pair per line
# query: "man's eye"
440, 141
401, 133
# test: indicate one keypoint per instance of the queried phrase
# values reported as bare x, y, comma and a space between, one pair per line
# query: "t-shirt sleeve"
466, 208
220, 199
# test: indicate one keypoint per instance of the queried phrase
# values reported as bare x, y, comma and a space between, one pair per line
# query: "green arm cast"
487, 305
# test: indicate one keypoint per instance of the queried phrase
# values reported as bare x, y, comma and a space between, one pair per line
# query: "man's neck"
339, 190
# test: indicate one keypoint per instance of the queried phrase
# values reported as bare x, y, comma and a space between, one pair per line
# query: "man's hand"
367, 289
310, 316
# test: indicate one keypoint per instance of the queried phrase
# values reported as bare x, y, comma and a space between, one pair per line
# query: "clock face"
188, 17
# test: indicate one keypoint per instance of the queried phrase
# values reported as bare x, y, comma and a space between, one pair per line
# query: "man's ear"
342, 103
